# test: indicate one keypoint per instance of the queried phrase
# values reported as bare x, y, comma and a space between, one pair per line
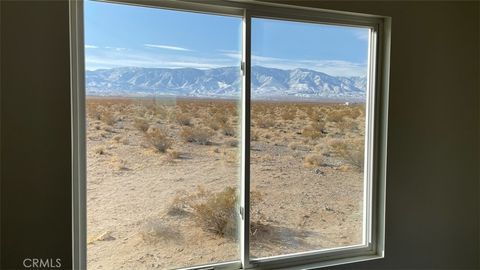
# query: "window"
227, 135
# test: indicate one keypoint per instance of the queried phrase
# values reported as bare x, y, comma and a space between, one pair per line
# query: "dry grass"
217, 214
289, 114
231, 143
197, 135
119, 164
289, 140
220, 118
214, 212
313, 160
254, 135
265, 122
158, 139
231, 156
141, 124
214, 125
174, 154
155, 230
347, 125
117, 138
94, 111
99, 150
312, 133
228, 130
351, 151
180, 205
108, 118
184, 119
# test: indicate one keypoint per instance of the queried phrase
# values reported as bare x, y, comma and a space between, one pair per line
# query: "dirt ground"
163, 177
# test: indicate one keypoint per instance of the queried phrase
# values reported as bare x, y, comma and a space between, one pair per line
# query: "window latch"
242, 212
242, 67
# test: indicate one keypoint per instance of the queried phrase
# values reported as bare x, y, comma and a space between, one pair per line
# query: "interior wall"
432, 206
432, 219
35, 139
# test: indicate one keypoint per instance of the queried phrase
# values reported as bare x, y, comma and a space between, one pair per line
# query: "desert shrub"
308, 110
337, 115
318, 125
354, 113
220, 118
316, 117
289, 114
347, 125
231, 143
141, 124
228, 130
158, 138
174, 155
321, 147
184, 119
217, 214
99, 150
181, 204
351, 151
299, 146
154, 230
313, 160
119, 164
214, 125
311, 133
159, 111
108, 118
294, 145
117, 138
254, 135
231, 156
196, 135
265, 122
108, 128
94, 111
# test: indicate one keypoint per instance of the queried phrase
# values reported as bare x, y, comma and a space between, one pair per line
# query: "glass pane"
307, 136
162, 137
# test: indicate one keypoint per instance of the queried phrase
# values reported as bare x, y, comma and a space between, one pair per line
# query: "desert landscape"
163, 176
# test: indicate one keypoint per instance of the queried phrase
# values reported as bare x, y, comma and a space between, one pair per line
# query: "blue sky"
120, 35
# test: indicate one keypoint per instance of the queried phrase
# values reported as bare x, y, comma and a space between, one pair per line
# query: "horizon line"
178, 68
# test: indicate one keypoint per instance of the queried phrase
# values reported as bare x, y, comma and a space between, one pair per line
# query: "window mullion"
245, 180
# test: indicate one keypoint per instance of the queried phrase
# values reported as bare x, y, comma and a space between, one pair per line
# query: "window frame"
375, 136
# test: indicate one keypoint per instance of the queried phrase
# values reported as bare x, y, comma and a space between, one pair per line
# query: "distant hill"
267, 83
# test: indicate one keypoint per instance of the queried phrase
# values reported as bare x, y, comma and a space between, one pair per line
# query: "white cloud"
90, 46
236, 56
330, 67
339, 67
361, 34
103, 59
118, 49
167, 47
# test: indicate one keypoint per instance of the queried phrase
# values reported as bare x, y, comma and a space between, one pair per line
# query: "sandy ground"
308, 195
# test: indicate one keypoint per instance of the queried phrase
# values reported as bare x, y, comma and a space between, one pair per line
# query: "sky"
118, 35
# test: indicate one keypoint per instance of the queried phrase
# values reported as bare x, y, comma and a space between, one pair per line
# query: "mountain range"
224, 82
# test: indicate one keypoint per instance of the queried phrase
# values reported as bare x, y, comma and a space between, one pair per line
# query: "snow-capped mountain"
267, 83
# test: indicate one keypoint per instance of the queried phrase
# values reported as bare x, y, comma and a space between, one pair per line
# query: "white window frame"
376, 132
